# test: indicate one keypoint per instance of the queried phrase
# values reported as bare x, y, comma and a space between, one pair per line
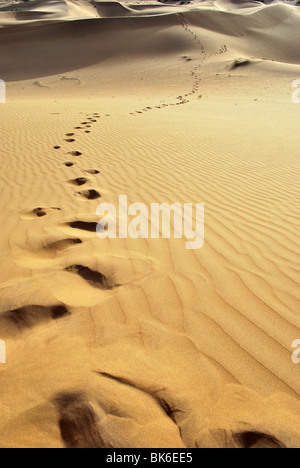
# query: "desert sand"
142, 343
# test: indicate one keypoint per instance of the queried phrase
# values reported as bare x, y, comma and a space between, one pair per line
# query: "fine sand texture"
129, 343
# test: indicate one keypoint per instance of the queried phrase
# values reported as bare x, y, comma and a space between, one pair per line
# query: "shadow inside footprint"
63, 244
40, 212
257, 440
90, 194
69, 164
79, 181
84, 226
92, 171
75, 153
30, 316
95, 278
79, 422
69, 140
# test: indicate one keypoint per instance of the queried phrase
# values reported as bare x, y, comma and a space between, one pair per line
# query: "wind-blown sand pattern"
142, 343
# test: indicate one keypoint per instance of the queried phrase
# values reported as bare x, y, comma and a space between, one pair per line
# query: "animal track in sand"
56, 147
75, 153
70, 134
95, 278
79, 181
89, 194
70, 140
69, 164
18, 320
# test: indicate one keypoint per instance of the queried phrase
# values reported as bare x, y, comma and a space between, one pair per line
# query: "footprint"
257, 440
75, 153
18, 320
79, 181
69, 164
90, 194
95, 278
70, 134
87, 131
70, 140
92, 171
63, 244
56, 147
79, 421
84, 226
40, 212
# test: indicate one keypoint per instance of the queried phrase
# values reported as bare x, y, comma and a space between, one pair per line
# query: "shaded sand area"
142, 343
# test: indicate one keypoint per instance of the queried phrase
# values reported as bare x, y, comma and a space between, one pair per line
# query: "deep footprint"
257, 440
63, 244
30, 316
92, 171
79, 423
40, 212
84, 226
90, 194
95, 278
79, 181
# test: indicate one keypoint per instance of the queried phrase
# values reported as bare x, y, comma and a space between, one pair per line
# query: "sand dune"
142, 343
